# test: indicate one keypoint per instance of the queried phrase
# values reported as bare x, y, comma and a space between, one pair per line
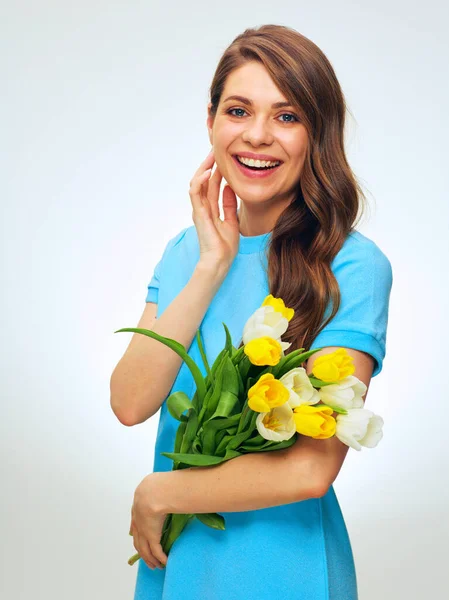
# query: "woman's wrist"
210, 270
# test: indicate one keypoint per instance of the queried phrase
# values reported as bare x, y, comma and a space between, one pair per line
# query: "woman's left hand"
146, 524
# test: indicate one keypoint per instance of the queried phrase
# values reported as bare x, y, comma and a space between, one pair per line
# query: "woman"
274, 97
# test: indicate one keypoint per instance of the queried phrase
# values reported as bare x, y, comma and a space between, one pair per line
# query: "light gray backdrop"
103, 109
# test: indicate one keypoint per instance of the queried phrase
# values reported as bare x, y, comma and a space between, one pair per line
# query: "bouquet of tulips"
257, 399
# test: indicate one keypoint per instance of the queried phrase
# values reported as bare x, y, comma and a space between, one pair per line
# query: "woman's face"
256, 127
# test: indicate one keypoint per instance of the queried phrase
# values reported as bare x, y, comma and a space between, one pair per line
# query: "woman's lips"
253, 173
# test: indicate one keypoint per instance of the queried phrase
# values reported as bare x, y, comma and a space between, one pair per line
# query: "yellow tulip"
334, 366
267, 393
279, 306
263, 351
314, 421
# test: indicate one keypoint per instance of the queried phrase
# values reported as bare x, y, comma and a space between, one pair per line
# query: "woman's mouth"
255, 172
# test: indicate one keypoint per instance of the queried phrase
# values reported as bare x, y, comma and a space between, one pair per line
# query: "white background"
103, 110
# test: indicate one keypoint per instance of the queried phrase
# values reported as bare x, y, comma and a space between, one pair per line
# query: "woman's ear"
210, 123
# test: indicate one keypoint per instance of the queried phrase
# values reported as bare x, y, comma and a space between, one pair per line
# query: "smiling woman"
275, 121
251, 122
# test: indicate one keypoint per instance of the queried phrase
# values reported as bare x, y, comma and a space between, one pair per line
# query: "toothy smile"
257, 164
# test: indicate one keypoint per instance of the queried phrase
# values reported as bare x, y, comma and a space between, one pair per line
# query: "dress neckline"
250, 244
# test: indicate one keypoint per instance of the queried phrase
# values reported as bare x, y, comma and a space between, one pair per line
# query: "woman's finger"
199, 182
158, 553
143, 548
213, 194
205, 166
196, 193
230, 206
207, 162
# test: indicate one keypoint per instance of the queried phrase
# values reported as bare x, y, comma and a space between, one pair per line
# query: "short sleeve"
153, 286
365, 278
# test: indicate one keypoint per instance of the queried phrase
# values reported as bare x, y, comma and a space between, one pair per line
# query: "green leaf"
245, 418
197, 447
252, 443
230, 378
226, 404
241, 393
212, 520
244, 367
180, 351
238, 439
295, 361
177, 524
319, 382
190, 432
260, 444
195, 460
284, 360
210, 430
238, 355
179, 435
221, 448
209, 407
199, 341
232, 453
336, 409
177, 403
273, 446
217, 362
228, 346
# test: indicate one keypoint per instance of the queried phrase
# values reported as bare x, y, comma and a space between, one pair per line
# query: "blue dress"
298, 551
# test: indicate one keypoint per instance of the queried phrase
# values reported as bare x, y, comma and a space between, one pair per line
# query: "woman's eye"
294, 117
290, 115
230, 111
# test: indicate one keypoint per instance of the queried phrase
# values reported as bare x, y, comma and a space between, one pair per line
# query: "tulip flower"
278, 424
314, 421
360, 427
300, 387
346, 394
270, 320
267, 393
263, 351
333, 366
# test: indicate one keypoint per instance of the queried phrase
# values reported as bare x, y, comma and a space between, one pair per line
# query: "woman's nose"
258, 132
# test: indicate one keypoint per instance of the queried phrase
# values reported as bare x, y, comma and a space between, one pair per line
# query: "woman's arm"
247, 482
145, 374
328, 455
260, 480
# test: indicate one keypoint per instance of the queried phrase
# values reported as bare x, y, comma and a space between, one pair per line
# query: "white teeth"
257, 163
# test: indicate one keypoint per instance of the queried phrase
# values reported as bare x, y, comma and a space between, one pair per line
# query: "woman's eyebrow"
249, 102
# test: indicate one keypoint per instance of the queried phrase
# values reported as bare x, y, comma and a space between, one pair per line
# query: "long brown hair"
312, 229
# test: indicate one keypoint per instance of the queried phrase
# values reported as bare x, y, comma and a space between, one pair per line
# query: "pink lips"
255, 174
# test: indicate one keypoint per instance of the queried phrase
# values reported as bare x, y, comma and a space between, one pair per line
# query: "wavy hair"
312, 229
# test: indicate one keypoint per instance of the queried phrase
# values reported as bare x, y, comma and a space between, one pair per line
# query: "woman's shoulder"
358, 244
182, 238
361, 251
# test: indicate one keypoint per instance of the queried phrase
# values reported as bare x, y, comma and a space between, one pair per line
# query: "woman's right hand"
218, 240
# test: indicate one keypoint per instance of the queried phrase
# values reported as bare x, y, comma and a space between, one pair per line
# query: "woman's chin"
251, 196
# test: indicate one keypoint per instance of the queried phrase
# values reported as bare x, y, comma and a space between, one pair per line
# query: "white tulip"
301, 390
278, 424
345, 394
360, 427
266, 321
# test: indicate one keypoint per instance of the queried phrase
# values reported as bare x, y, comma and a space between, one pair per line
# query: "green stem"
134, 559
